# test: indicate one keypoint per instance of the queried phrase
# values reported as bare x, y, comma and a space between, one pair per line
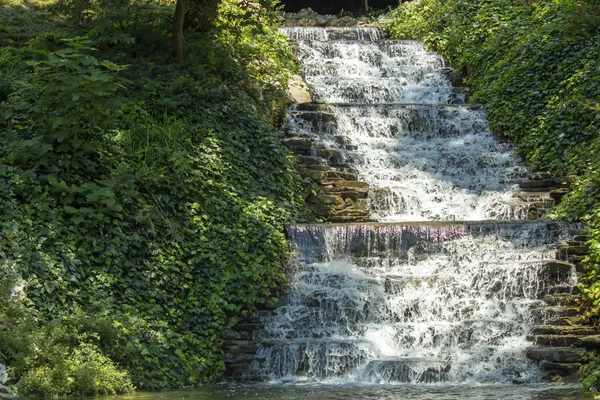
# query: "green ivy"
534, 67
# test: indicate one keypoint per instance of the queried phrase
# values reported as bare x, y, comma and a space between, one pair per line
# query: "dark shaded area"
334, 6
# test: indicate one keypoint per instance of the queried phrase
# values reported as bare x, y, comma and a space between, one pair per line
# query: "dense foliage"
534, 66
142, 199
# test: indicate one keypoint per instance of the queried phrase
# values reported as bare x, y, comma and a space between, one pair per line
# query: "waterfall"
422, 296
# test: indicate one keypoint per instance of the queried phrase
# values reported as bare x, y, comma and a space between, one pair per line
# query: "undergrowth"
142, 199
534, 66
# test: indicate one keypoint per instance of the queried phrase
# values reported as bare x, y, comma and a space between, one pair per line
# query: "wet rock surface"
562, 348
541, 192
309, 18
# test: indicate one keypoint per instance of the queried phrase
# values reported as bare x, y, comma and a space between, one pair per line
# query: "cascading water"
410, 302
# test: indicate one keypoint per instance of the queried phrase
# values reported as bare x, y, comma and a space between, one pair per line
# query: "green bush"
83, 372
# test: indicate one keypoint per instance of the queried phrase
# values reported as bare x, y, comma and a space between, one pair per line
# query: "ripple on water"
345, 391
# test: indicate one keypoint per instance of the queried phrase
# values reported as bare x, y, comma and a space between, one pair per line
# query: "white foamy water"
412, 303
425, 154
408, 302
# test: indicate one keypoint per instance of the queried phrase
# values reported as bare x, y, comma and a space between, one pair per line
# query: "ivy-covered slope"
535, 66
142, 199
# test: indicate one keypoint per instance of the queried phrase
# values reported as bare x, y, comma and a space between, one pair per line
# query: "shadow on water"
365, 392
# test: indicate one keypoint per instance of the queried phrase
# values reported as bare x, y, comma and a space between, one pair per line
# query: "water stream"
233, 391
422, 298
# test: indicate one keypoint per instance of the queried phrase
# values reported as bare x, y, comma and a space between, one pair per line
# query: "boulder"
336, 201
305, 13
300, 145
323, 20
343, 21
298, 90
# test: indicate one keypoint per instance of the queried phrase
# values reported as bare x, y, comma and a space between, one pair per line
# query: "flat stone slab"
562, 369
578, 250
553, 340
581, 330
556, 354
544, 184
589, 342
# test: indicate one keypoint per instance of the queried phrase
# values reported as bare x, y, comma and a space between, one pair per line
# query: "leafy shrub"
45, 355
142, 208
83, 372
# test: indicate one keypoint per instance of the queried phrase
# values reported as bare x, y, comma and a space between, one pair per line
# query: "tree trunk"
365, 5
208, 13
178, 29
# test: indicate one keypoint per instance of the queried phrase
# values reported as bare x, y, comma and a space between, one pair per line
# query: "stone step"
573, 250
299, 145
314, 106
558, 194
564, 289
555, 269
553, 340
589, 342
234, 334
532, 197
315, 117
554, 314
243, 358
562, 299
407, 370
582, 238
568, 320
578, 330
561, 369
545, 184
240, 347
341, 175
247, 326
557, 354
540, 175
307, 161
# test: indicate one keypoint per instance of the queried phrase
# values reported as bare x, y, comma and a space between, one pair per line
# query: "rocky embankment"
307, 17
563, 345
345, 194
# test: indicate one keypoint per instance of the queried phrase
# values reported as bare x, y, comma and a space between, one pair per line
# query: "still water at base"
366, 392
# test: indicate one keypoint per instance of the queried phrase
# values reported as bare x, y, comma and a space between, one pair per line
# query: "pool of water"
231, 391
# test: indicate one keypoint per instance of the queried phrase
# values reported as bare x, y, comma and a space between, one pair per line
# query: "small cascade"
415, 303
392, 114
421, 296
